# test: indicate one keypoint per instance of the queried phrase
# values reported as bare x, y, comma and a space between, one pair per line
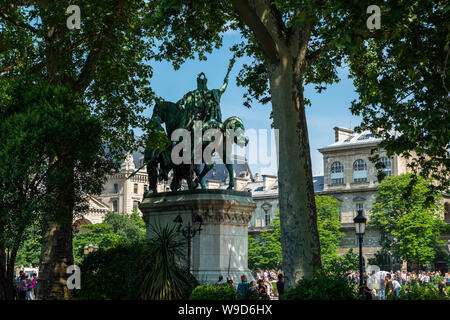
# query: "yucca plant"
164, 276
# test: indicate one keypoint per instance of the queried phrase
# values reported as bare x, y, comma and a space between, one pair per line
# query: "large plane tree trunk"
57, 253
299, 234
284, 50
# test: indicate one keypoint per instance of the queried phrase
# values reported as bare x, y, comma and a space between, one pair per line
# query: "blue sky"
328, 109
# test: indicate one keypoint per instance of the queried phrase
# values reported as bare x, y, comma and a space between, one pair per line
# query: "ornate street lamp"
189, 232
360, 229
90, 248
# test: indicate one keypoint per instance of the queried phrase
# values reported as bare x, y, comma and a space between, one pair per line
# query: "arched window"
387, 166
337, 173
359, 171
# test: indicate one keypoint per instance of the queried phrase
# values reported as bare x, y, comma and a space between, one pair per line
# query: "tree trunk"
6, 279
57, 254
299, 234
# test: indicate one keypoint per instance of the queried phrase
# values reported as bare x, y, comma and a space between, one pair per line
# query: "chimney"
341, 133
268, 181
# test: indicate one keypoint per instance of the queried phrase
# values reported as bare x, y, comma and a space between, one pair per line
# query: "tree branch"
10, 67
87, 73
260, 17
21, 24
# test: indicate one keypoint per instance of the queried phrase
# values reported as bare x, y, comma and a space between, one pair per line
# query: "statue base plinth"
221, 248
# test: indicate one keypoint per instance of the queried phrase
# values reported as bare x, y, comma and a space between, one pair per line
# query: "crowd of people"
262, 289
25, 286
381, 285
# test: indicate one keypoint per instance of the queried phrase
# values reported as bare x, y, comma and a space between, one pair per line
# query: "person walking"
23, 287
442, 287
389, 286
381, 287
280, 286
262, 291
243, 289
396, 285
367, 290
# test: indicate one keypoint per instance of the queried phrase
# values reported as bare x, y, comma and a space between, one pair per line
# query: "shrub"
416, 292
146, 270
323, 287
213, 292
112, 273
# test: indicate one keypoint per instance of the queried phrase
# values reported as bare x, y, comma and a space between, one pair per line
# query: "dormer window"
366, 136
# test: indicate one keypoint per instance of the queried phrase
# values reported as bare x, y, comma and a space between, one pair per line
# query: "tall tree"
103, 66
402, 79
293, 43
409, 222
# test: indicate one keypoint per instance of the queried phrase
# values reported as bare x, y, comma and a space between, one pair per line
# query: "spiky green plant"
164, 276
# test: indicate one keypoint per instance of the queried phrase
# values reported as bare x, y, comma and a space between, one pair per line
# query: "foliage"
323, 287
130, 227
407, 217
343, 264
213, 292
116, 229
113, 273
165, 278
419, 292
264, 251
137, 270
30, 250
402, 81
328, 224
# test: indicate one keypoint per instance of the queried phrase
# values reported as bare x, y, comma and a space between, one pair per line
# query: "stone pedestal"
222, 246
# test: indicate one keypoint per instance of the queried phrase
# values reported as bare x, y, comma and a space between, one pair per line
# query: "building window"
359, 171
115, 206
135, 188
135, 205
116, 188
267, 217
387, 166
337, 173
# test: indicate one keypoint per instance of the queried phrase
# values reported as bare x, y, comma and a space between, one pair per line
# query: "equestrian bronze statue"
200, 106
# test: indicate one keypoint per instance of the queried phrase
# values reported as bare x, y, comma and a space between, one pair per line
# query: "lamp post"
189, 232
360, 228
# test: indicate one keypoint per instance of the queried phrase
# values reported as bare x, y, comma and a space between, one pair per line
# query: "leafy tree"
264, 251
328, 223
402, 81
99, 72
30, 250
130, 227
99, 234
114, 230
410, 225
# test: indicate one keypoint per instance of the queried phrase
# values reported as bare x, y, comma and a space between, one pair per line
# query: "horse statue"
233, 132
